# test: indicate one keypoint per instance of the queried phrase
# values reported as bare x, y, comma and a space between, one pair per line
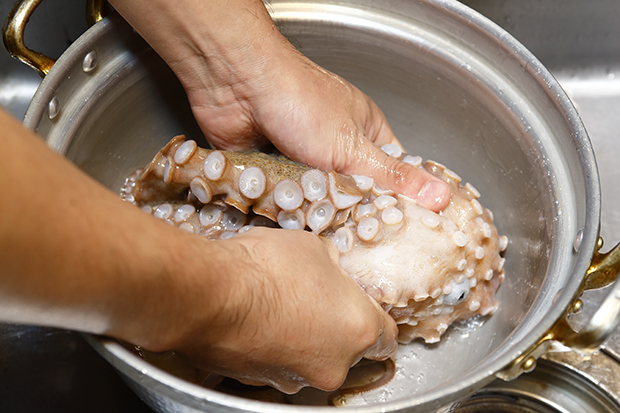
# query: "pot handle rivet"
15, 25
53, 108
90, 61
578, 239
529, 364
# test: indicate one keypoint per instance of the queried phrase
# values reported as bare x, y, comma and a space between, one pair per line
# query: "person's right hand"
266, 306
291, 317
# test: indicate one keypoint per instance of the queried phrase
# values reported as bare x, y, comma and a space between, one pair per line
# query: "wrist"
209, 44
190, 295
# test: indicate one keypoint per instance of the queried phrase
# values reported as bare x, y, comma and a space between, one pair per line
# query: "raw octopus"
425, 269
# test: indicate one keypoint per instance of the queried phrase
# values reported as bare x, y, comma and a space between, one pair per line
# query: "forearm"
74, 256
231, 40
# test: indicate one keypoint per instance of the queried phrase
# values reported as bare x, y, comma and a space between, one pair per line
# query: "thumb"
390, 173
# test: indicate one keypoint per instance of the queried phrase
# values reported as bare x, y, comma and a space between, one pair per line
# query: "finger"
249, 142
332, 251
282, 384
387, 342
389, 173
384, 134
427, 190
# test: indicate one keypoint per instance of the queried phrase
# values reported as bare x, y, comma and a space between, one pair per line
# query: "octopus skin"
425, 269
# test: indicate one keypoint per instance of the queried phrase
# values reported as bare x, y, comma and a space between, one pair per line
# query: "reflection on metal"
554, 387
603, 271
13, 37
96, 10
604, 267
13, 32
16, 92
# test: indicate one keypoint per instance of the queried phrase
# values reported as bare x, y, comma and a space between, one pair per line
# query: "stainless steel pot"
457, 89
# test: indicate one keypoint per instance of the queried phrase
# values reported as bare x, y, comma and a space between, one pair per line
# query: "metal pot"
457, 89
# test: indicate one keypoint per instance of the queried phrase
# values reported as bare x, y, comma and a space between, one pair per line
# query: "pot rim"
131, 365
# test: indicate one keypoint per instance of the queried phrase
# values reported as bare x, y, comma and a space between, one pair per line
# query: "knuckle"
369, 337
404, 178
404, 173
366, 331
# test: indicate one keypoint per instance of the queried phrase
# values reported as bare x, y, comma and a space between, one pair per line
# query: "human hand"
291, 318
246, 82
317, 118
266, 306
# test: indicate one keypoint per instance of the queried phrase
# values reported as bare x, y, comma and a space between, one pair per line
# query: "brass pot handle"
13, 32
96, 10
603, 270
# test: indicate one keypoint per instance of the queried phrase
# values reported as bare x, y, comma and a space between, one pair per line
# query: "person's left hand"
247, 84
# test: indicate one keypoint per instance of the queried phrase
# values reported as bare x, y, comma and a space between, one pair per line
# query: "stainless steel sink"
579, 42
53, 370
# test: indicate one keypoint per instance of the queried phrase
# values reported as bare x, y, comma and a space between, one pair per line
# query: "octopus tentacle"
425, 269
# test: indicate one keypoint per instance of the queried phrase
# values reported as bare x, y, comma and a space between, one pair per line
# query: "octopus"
425, 269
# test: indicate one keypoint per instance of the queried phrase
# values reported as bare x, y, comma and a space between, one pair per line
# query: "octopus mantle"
426, 269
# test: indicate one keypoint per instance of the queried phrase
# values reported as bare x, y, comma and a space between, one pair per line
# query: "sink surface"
579, 43
52, 370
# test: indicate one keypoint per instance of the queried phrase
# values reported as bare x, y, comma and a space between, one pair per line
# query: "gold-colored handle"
13, 32
604, 270
13, 37
96, 10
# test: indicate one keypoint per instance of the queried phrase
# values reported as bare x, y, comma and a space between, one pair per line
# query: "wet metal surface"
49, 370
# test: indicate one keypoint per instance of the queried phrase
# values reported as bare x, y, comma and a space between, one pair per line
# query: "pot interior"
463, 94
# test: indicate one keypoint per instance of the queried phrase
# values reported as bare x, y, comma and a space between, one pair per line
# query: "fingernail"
434, 195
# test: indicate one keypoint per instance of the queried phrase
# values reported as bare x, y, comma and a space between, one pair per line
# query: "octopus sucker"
391, 216
252, 182
292, 219
368, 228
393, 150
320, 215
163, 211
209, 215
288, 195
384, 201
314, 185
364, 183
184, 151
412, 160
425, 269
343, 191
214, 165
362, 211
184, 212
201, 190
343, 239
473, 191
